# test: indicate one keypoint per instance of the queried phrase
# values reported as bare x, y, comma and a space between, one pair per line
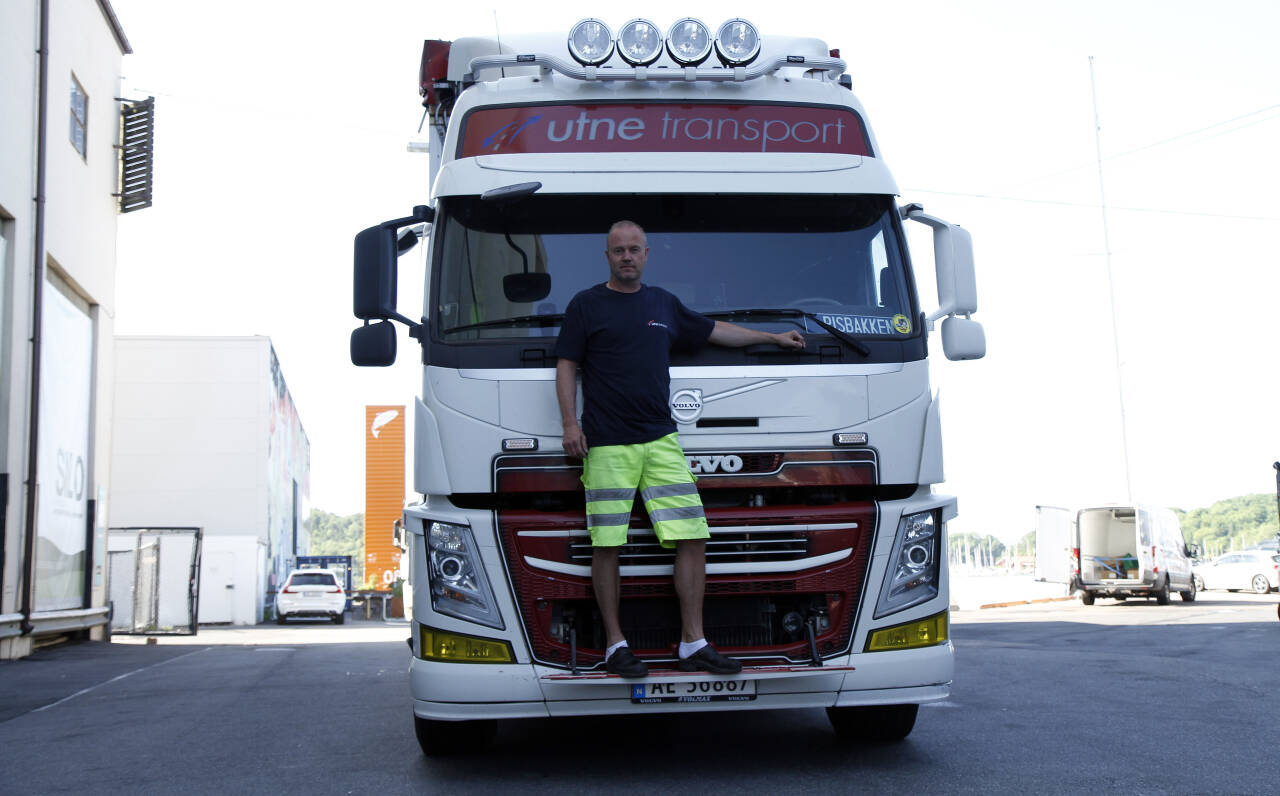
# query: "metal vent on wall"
137, 137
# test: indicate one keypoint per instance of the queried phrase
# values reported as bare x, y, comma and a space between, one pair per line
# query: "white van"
1131, 551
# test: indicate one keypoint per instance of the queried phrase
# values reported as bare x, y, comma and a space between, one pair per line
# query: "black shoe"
707, 659
624, 664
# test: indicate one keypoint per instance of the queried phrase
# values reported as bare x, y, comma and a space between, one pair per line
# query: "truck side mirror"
374, 345
374, 289
953, 261
963, 339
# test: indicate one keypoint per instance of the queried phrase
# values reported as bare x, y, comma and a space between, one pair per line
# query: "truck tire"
1162, 594
1086, 597
873, 723
443, 738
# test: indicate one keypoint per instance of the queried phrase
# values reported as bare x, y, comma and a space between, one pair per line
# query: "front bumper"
459, 691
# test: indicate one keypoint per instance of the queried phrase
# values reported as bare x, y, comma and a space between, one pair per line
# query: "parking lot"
1049, 697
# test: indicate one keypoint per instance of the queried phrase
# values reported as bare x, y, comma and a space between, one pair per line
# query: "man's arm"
575, 442
732, 335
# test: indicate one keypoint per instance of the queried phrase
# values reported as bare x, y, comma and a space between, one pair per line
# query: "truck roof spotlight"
639, 42
689, 42
590, 42
737, 43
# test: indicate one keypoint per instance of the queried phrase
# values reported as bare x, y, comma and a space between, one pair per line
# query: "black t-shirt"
622, 342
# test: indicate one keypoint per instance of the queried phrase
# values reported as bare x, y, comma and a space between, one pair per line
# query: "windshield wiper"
791, 312
519, 320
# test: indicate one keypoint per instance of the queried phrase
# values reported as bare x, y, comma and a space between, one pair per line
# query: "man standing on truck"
621, 333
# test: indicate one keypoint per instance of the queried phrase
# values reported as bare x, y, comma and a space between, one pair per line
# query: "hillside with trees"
1231, 524
334, 535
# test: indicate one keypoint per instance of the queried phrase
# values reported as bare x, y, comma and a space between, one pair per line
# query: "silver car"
1256, 570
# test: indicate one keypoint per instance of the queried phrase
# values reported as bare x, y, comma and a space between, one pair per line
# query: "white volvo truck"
752, 167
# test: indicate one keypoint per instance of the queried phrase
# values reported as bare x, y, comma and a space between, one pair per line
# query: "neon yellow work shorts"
611, 474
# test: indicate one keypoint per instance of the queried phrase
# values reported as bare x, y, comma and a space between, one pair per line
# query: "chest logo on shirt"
687, 404
658, 323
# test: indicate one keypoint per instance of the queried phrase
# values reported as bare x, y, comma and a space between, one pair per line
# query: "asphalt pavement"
1050, 697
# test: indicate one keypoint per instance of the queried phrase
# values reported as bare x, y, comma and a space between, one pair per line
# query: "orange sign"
383, 493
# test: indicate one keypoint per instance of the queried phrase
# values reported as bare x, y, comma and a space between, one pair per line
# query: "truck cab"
767, 203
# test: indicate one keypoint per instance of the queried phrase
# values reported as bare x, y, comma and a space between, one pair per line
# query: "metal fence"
153, 580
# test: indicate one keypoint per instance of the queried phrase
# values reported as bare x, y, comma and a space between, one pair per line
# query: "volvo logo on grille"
717, 463
686, 405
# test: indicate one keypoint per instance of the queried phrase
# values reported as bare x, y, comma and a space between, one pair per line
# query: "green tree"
335, 535
1231, 524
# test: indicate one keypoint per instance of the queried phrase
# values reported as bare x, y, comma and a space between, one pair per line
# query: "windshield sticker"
861, 324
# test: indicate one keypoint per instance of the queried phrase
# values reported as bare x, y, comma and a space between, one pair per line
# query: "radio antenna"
498, 35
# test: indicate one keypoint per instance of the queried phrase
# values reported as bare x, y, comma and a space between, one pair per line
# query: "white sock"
687, 648
614, 648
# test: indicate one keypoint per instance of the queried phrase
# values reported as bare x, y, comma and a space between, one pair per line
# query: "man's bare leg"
607, 584
691, 584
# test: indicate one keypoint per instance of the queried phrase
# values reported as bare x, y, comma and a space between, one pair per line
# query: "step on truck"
751, 165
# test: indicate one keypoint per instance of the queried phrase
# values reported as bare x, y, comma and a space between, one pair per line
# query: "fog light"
438, 645
792, 621
591, 42
926, 632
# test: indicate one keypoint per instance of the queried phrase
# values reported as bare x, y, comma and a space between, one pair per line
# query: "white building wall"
195, 419
79, 238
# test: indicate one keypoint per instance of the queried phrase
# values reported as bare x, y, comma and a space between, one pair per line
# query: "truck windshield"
837, 258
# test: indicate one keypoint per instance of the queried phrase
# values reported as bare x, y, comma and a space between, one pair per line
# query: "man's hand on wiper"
793, 312
520, 320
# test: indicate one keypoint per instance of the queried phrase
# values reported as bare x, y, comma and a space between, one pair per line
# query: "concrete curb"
1026, 602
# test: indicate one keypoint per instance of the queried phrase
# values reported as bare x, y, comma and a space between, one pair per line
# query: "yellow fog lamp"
590, 42
689, 42
639, 42
926, 632
442, 645
737, 43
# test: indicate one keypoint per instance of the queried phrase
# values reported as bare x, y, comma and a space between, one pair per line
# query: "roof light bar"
591, 42
689, 42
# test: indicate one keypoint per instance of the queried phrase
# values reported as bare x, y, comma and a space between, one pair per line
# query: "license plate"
696, 691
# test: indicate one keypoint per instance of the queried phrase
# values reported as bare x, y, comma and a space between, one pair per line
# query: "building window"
79, 117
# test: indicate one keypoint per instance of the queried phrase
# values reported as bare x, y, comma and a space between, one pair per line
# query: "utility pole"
1111, 289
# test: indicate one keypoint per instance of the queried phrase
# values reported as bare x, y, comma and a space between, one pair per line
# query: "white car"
311, 592
1257, 570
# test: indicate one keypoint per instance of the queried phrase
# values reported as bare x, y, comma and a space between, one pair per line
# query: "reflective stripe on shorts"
612, 473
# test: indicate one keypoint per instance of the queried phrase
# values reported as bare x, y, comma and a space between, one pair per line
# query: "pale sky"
282, 128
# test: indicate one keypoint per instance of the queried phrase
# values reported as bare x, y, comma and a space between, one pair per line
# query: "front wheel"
1260, 584
438, 738
873, 723
1189, 596
1199, 582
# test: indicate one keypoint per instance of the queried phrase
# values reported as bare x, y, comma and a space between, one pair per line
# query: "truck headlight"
459, 587
914, 564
